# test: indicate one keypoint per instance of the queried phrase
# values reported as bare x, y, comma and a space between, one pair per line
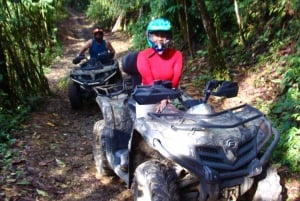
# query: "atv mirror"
227, 89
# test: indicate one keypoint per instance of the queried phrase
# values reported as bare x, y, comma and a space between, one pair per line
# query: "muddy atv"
90, 73
188, 152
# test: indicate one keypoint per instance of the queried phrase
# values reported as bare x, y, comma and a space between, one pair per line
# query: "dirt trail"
56, 161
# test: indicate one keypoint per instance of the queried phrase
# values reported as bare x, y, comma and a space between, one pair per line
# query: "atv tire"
75, 96
99, 150
153, 181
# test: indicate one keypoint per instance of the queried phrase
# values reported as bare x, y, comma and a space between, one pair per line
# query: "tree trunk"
216, 59
140, 12
4, 86
188, 28
239, 21
183, 21
74, 3
117, 26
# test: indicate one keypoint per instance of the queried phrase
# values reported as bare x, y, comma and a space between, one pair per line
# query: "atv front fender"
115, 113
117, 129
107, 111
142, 148
209, 174
205, 172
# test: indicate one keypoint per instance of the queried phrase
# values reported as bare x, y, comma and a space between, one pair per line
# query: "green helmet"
159, 25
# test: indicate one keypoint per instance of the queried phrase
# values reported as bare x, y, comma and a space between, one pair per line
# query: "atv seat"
129, 66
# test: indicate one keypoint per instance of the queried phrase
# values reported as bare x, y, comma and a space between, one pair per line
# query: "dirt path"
54, 147
56, 161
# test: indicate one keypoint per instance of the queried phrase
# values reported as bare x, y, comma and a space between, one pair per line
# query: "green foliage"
100, 12
137, 14
138, 32
287, 114
202, 79
272, 27
63, 83
24, 54
25, 50
9, 120
105, 12
79, 5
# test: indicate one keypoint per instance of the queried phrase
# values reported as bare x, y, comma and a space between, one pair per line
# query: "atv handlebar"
103, 57
152, 94
143, 94
78, 59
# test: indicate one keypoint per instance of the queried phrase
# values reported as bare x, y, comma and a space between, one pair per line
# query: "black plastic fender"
108, 116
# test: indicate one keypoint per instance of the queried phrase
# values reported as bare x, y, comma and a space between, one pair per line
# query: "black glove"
105, 57
78, 59
110, 55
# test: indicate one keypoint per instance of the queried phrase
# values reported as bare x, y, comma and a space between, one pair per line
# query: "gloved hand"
78, 59
110, 55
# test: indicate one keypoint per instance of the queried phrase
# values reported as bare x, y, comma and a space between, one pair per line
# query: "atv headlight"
264, 134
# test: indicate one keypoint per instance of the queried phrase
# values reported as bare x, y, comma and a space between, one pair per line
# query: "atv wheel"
153, 181
99, 150
75, 96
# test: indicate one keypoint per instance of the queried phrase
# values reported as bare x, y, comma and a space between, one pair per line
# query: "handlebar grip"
78, 59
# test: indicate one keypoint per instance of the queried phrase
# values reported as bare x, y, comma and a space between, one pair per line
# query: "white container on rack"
142, 110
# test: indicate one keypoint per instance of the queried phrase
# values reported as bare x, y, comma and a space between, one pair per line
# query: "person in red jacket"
160, 61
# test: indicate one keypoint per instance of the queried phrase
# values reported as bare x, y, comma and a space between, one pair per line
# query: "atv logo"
230, 149
231, 144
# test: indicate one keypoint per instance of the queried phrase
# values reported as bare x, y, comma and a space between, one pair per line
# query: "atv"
100, 71
188, 152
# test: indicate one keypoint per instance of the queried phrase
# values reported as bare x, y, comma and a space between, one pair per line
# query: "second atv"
94, 72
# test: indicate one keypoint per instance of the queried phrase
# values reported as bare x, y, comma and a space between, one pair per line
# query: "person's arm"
86, 46
110, 47
144, 68
178, 66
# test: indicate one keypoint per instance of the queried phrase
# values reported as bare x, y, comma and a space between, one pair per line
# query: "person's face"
159, 37
98, 36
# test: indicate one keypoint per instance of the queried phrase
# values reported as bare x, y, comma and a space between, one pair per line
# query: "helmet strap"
159, 48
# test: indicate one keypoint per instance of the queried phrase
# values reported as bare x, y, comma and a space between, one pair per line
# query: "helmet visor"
164, 34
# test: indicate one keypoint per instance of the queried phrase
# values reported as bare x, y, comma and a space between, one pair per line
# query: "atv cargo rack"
229, 118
